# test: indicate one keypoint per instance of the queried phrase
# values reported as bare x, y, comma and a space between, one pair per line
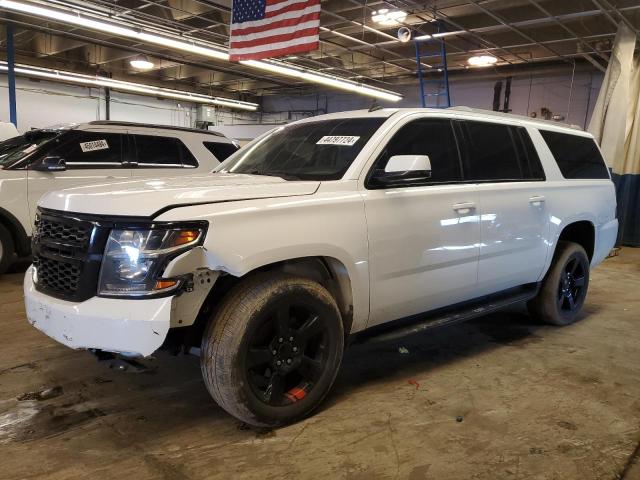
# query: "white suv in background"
367, 223
95, 152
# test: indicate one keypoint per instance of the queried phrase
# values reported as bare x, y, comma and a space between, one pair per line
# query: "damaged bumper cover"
132, 327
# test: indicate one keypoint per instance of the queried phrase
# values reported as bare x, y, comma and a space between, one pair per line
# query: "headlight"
134, 259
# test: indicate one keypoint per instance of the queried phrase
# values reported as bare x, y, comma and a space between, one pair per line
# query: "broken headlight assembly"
135, 258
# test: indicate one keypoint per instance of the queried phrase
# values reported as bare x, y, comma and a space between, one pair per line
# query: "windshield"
16, 148
322, 150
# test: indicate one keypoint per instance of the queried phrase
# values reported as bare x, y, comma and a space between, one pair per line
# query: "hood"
146, 197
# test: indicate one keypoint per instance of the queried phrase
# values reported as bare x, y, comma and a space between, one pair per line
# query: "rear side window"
221, 150
492, 153
89, 150
431, 137
162, 152
577, 157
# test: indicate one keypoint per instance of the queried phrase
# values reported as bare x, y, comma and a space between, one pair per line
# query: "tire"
266, 319
565, 286
7, 249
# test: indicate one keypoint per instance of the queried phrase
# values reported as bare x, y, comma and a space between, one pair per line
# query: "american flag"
273, 28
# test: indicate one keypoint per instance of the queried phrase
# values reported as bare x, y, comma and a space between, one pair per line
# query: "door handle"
464, 207
536, 200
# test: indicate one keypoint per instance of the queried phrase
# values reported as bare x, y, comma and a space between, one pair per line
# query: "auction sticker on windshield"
338, 140
94, 145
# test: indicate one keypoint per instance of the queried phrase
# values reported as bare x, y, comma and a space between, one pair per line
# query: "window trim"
369, 185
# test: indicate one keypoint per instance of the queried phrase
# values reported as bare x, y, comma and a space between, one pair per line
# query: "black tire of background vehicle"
244, 314
7, 249
552, 304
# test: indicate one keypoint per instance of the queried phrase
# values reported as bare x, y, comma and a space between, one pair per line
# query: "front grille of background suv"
67, 254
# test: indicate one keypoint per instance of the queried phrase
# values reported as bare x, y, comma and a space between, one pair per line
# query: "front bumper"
132, 327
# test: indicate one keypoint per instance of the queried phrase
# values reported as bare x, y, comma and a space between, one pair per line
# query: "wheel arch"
582, 232
17, 231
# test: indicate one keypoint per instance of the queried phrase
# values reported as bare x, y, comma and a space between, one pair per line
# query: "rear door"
514, 222
159, 155
91, 157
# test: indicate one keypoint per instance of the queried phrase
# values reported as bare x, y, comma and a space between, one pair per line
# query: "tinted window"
491, 153
316, 150
17, 148
577, 157
162, 152
434, 138
221, 151
528, 154
82, 150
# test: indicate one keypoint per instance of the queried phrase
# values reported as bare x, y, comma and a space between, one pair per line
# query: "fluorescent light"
103, 23
329, 81
389, 18
141, 62
482, 60
119, 29
95, 81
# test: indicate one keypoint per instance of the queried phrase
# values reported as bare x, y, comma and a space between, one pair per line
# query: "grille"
56, 231
66, 255
57, 276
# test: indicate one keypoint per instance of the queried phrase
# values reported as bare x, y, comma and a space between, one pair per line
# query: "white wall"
528, 94
42, 104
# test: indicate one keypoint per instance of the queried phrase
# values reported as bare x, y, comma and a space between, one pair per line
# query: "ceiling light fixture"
388, 18
482, 60
100, 23
130, 87
141, 62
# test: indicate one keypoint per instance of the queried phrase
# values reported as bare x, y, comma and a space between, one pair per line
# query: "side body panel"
13, 194
249, 234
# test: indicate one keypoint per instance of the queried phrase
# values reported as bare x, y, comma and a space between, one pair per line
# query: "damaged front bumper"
130, 327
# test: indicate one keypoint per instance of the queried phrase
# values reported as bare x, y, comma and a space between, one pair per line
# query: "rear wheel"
564, 289
272, 352
7, 249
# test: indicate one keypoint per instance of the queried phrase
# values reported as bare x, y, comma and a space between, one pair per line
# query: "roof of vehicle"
155, 126
474, 112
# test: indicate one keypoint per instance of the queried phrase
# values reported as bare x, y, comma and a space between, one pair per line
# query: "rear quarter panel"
573, 200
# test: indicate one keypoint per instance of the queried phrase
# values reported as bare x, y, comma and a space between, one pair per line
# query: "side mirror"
403, 170
50, 164
409, 166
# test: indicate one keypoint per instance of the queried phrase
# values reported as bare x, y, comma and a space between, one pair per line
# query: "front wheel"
564, 289
272, 351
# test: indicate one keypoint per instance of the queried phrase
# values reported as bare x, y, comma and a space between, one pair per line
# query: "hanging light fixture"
482, 60
141, 62
388, 18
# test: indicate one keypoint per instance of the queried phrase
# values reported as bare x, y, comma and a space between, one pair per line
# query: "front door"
91, 157
423, 237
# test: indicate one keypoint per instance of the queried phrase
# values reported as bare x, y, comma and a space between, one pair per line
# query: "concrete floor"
535, 402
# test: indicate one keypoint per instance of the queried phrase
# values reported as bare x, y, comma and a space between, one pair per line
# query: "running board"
445, 317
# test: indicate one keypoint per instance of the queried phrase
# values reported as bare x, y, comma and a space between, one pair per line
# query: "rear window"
577, 157
221, 151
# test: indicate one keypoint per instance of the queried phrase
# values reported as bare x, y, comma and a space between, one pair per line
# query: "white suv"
333, 228
95, 152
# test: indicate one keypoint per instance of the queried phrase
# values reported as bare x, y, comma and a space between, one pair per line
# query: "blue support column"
13, 114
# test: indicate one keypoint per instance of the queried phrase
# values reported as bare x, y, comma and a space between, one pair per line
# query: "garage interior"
501, 396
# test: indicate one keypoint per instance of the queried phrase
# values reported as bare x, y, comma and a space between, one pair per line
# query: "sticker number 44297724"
94, 145
347, 141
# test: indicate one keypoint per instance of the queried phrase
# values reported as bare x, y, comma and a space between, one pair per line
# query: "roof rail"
151, 125
481, 111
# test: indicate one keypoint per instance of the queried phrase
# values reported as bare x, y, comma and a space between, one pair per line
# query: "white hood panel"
145, 197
